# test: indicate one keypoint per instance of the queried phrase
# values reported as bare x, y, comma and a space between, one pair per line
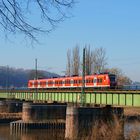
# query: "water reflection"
131, 130
43, 135
36, 134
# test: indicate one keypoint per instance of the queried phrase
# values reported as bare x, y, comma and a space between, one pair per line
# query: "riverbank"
132, 114
9, 117
132, 111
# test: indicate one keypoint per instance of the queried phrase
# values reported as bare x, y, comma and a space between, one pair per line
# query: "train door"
95, 81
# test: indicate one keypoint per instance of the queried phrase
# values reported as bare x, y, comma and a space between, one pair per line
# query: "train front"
113, 81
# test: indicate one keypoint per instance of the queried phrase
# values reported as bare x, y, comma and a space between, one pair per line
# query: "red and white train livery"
95, 81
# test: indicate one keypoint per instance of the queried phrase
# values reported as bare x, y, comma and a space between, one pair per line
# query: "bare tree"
122, 79
99, 60
16, 15
76, 61
68, 68
95, 60
88, 60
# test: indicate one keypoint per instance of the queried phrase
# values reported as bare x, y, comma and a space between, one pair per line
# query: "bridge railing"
114, 98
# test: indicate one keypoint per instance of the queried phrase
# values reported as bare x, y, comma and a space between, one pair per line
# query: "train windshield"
112, 77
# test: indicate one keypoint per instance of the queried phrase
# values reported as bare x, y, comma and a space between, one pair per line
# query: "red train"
91, 81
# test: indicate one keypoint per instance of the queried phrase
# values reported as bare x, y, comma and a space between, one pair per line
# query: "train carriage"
91, 81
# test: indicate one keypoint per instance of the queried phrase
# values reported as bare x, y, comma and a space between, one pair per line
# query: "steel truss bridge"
97, 97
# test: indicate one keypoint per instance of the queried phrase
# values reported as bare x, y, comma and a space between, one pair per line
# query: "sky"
111, 24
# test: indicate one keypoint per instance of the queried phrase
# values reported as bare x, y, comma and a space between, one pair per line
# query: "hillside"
12, 77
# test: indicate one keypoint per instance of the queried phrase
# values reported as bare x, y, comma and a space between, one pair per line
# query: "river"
130, 130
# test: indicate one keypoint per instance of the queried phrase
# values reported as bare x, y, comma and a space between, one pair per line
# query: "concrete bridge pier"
27, 112
10, 106
81, 121
40, 116
71, 129
43, 112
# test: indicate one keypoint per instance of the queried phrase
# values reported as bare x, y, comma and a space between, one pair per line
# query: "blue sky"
112, 24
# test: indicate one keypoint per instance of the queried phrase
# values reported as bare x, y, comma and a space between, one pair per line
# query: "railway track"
69, 90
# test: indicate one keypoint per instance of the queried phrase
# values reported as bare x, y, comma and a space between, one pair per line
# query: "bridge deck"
114, 98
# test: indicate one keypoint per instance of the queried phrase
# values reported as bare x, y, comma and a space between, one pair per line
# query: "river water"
130, 129
36, 134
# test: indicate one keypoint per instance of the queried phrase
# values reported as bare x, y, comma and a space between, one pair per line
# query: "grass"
102, 130
132, 111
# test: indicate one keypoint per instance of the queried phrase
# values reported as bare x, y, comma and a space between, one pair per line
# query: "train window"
80, 81
42, 83
67, 82
50, 82
30, 84
87, 81
112, 78
101, 80
35, 83
71, 81
75, 82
